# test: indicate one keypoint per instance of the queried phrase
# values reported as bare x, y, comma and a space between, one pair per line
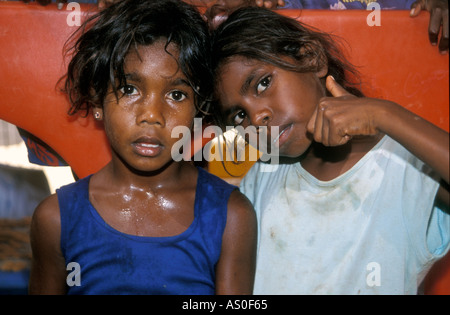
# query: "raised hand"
340, 117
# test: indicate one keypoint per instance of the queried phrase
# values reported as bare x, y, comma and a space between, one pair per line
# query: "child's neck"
327, 163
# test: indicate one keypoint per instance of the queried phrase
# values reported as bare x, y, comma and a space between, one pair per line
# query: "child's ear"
322, 70
313, 55
98, 113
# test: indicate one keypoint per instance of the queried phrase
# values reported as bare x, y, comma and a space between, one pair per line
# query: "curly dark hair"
267, 36
105, 39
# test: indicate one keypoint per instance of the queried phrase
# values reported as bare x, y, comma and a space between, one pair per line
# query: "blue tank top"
111, 262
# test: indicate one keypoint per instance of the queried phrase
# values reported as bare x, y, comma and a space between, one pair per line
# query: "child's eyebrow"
133, 76
181, 81
247, 82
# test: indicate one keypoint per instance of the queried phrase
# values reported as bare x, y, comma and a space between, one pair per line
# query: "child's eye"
128, 90
263, 84
177, 96
239, 118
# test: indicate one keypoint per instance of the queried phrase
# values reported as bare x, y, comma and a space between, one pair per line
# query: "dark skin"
328, 134
438, 26
142, 191
234, 272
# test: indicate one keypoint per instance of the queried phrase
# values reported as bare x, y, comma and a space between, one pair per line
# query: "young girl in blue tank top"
144, 224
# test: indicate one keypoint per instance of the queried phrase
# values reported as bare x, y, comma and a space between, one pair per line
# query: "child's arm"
235, 270
342, 116
48, 272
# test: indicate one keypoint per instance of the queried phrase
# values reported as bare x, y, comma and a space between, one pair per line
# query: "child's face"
260, 94
156, 99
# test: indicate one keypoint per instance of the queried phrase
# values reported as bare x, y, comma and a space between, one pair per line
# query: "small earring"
97, 115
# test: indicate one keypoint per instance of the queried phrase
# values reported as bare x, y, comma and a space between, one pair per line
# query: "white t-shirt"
372, 230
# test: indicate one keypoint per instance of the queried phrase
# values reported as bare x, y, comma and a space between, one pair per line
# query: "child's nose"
150, 111
261, 117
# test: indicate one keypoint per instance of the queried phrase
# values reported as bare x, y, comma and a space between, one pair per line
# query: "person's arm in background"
438, 21
218, 10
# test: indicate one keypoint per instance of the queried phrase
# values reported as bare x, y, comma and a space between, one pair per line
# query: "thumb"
334, 88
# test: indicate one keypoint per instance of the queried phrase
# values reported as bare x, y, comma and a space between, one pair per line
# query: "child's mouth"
283, 136
148, 146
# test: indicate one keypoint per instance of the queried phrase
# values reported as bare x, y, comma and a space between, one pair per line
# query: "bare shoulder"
45, 228
239, 202
47, 266
240, 210
47, 213
236, 267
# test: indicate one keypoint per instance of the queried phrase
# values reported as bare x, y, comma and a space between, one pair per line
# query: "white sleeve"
427, 223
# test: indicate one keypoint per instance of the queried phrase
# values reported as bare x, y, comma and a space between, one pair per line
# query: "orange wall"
396, 61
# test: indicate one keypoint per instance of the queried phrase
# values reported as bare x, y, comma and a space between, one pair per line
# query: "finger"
326, 134
443, 44
343, 136
321, 125
333, 131
318, 125
416, 7
338, 134
346, 139
311, 125
334, 88
435, 25
101, 4
270, 4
